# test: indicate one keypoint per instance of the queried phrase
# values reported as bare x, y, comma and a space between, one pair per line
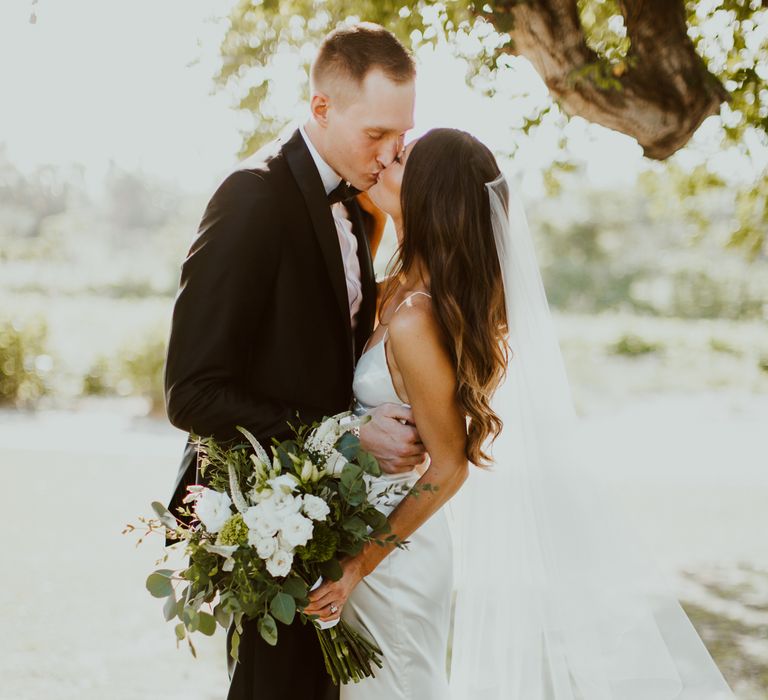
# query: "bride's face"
386, 192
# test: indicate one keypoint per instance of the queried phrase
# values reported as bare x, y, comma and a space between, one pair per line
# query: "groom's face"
364, 127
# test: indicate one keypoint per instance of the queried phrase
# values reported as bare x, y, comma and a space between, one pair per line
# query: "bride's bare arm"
429, 378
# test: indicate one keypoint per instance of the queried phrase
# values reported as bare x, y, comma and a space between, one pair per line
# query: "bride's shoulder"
420, 349
415, 323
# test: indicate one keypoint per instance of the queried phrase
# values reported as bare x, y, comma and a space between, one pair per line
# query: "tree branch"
660, 97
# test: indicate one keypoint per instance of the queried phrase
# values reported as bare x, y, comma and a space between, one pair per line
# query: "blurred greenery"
137, 370
617, 249
727, 34
23, 362
141, 370
633, 345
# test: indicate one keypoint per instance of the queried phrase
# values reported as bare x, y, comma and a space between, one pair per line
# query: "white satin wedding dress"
404, 605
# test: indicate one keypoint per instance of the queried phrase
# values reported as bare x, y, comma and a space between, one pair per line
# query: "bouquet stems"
348, 655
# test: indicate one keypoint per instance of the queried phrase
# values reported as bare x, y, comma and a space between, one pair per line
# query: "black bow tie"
342, 192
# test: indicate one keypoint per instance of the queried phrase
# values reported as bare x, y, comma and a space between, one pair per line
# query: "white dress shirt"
347, 240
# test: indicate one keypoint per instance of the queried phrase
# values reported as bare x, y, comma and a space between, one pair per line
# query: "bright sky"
95, 81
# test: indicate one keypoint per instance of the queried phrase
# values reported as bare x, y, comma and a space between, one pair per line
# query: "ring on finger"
334, 608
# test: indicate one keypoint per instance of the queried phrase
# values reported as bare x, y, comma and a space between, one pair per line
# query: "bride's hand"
334, 593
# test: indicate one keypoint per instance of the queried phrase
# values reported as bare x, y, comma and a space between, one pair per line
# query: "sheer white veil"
555, 597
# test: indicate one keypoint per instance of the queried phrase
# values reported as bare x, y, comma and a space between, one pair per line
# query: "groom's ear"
319, 105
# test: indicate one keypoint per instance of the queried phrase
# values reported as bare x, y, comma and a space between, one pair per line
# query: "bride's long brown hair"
447, 228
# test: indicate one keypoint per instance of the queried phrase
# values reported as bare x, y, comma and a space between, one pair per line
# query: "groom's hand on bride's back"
392, 438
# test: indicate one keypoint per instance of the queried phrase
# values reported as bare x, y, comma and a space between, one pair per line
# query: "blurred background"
644, 169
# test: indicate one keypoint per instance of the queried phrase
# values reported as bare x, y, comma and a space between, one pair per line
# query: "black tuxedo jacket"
261, 326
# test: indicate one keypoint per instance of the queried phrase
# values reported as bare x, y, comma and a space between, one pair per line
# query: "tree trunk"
666, 90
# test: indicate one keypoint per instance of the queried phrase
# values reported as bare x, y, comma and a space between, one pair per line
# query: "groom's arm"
226, 282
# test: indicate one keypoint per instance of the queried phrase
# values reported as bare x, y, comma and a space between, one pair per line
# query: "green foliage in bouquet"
264, 530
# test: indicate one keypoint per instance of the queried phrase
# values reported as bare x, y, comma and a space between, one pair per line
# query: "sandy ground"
689, 469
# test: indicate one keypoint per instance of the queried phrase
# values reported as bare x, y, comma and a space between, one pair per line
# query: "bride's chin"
372, 192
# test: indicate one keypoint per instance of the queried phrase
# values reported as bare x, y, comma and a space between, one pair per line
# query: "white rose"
315, 507
296, 530
265, 546
286, 505
262, 519
279, 564
213, 509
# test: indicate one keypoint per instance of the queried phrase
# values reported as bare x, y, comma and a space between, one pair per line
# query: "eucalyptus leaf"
375, 518
180, 631
206, 624
222, 616
191, 617
159, 586
164, 515
169, 609
368, 462
295, 587
355, 526
349, 446
285, 460
351, 474
331, 569
268, 629
283, 607
234, 645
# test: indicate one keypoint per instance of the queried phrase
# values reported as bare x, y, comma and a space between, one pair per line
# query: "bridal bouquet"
264, 531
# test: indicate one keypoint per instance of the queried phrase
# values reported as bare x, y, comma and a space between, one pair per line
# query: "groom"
277, 299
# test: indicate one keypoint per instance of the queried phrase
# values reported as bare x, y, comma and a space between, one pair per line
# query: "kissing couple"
279, 312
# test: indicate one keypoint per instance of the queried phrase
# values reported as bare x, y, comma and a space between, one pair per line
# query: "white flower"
336, 463
193, 493
286, 483
279, 564
259, 467
262, 519
315, 507
265, 546
213, 509
223, 550
324, 436
327, 431
296, 530
259, 494
306, 470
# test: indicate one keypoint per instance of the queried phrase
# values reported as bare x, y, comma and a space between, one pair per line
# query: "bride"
552, 601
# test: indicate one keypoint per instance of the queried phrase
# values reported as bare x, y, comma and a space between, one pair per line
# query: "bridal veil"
555, 600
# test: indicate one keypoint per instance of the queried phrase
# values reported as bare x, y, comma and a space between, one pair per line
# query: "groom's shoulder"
259, 172
263, 161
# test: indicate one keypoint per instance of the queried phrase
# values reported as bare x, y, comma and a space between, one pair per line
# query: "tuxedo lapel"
307, 177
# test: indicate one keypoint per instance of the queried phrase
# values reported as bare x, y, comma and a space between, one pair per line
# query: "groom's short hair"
350, 53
